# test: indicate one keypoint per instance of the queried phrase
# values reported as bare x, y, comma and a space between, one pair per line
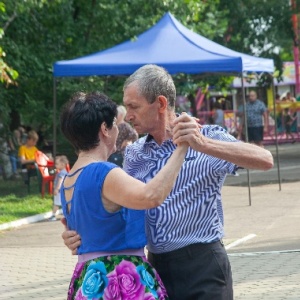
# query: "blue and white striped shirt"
192, 213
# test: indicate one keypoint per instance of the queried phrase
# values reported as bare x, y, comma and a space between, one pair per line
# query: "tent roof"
170, 45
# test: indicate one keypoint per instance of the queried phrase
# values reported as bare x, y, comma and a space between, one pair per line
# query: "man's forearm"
241, 154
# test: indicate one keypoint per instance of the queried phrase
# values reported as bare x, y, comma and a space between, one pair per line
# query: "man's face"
252, 96
142, 115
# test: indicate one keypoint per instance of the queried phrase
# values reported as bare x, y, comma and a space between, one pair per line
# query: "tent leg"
276, 135
54, 118
246, 134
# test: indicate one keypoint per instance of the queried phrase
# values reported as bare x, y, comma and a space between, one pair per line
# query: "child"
27, 156
61, 163
288, 121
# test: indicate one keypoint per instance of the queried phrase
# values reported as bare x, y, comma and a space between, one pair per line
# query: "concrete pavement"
265, 252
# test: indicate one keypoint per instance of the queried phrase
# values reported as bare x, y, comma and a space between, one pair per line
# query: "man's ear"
163, 103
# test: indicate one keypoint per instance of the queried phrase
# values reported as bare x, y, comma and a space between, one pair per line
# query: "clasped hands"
186, 130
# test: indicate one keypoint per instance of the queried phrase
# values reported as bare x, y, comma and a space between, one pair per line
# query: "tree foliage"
40, 32
7, 74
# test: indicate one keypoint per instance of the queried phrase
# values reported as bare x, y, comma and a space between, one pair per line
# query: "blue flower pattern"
147, 279
95, 280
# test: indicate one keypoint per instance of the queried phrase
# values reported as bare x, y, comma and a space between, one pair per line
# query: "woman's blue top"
99, 229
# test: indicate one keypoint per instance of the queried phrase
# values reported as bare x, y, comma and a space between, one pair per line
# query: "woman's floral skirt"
116, 277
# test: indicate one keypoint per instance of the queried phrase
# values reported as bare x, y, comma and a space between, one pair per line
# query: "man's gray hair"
121, 111
153, 81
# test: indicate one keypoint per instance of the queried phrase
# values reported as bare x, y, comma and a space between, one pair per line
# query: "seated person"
27, 155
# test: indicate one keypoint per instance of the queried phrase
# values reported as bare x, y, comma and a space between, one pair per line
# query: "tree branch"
9, 21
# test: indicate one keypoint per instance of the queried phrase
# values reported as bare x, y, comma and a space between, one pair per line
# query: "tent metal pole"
246, 134
54, 117
276, 134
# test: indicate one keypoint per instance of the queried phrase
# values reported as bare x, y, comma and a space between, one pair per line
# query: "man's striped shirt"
192, 213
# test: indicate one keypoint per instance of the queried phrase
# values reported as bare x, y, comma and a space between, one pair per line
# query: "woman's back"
99, 229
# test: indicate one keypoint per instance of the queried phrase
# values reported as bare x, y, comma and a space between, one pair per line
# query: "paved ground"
34, 264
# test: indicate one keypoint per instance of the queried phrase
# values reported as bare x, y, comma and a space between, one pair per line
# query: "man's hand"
71, 239
186, 130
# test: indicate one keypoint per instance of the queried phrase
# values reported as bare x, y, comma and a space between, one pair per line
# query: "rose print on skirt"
116, 277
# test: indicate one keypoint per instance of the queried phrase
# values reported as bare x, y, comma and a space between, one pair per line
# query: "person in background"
6, 167
106, 206
257, 119
290, 98
277, 99
288, 120
20, 135
14, 143
27, 155
218, 114
61, 163
185, 233
127, 135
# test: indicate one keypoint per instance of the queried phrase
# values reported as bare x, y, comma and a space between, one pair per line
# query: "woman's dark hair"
82, 116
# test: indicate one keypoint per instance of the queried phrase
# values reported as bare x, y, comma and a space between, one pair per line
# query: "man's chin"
138, 129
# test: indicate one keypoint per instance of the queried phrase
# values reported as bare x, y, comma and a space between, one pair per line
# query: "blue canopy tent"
168, 44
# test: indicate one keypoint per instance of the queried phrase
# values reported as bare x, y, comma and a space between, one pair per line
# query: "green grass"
16, 203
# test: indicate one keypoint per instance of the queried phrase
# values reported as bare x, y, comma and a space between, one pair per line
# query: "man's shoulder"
206, 130
260, 102
137, 145
217, 132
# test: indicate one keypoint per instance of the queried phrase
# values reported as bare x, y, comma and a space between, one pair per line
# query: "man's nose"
128, 117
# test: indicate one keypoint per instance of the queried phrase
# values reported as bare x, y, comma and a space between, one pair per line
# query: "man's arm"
71, 239
241, 154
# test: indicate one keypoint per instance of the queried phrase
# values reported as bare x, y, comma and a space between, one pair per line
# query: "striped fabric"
193, 212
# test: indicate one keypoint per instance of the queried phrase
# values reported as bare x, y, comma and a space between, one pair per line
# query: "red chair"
42, 164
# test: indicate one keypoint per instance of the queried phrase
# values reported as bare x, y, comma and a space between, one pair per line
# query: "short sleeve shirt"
254, 110
27, 153
192, 213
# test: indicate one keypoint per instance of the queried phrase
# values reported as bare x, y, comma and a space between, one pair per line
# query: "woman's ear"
103, 129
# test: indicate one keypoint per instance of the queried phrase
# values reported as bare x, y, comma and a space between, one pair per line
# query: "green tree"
260, 27
43, 32
40, 32
7, 74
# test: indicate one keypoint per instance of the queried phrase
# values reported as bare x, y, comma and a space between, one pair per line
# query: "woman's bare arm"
135, 194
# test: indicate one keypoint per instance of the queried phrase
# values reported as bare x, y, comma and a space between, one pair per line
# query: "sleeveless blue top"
99, 229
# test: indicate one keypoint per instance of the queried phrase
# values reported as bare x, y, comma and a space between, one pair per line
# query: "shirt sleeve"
21, 151
216, 132
134, 160
263, 107
127, 165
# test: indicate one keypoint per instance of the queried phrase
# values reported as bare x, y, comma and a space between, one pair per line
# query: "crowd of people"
287, 117
19, 145
13, 150
258, 118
